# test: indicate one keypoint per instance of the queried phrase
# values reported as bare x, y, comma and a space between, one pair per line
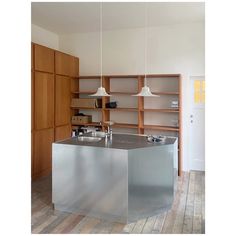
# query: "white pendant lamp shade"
101, 92
145, 92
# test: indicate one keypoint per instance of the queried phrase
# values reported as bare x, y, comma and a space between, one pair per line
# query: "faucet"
108, 133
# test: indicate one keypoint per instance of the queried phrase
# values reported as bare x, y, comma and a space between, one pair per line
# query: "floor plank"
179, 220
117, 228
49, 228
188, 215
157, 228
139, 226
89, 226
47, 222
65, 224
148, 227
129, 227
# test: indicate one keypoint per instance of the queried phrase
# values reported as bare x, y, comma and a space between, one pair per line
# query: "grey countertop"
120, 141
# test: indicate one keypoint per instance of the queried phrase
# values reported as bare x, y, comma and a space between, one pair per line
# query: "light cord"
101, 41
145, 45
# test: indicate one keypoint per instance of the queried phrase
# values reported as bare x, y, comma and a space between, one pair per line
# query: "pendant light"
101, 91
145, 91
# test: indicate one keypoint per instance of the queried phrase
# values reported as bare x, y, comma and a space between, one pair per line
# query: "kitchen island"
123, 179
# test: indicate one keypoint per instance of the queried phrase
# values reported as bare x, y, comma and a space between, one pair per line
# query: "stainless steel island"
123, 179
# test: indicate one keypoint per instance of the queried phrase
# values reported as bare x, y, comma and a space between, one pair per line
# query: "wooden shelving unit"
140, 111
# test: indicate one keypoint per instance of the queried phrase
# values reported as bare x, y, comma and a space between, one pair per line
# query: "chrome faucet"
108, 133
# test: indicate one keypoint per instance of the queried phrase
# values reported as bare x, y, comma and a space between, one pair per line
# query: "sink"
88, 139
98, 134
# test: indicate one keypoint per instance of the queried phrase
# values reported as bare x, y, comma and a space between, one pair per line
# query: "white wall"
44, 37
171, 49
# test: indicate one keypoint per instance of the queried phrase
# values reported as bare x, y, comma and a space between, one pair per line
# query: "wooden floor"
186, 216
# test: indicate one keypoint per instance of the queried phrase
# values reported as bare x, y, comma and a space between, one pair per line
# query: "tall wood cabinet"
51, 75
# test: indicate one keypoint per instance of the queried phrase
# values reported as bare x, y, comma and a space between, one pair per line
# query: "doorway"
197, 123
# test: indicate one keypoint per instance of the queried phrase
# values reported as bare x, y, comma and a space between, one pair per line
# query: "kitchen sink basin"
88, 139
98, 134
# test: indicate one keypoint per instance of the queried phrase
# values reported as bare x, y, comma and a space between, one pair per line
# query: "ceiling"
79, 17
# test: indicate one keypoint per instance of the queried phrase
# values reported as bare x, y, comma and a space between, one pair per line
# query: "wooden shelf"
125, 125
161, 127
121, 109
161, 110
166, 93
83, 92
122, 76
177, 76
86, 108
89, 124
123, 93
89, 77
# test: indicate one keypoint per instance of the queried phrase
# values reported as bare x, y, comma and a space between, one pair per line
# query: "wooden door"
43, 100
62, 112
66, 64
62, 132
43, 140
43, 58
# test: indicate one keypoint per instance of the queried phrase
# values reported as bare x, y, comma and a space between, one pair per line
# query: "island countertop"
120, 141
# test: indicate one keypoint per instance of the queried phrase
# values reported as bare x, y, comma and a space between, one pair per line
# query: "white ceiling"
78, 17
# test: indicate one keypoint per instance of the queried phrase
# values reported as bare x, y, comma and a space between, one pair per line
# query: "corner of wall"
44, 37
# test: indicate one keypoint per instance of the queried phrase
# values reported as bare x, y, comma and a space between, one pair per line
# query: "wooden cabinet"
43, 58
43, 140
66, 64
62, 112
50, 103
62, 132
43, 100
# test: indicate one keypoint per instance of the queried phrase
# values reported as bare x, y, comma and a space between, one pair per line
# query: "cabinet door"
32, 100
66, 64
44, 58
43, 100
62, 112
62, 132
43, 140
32, 56
32, 153
75, 67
